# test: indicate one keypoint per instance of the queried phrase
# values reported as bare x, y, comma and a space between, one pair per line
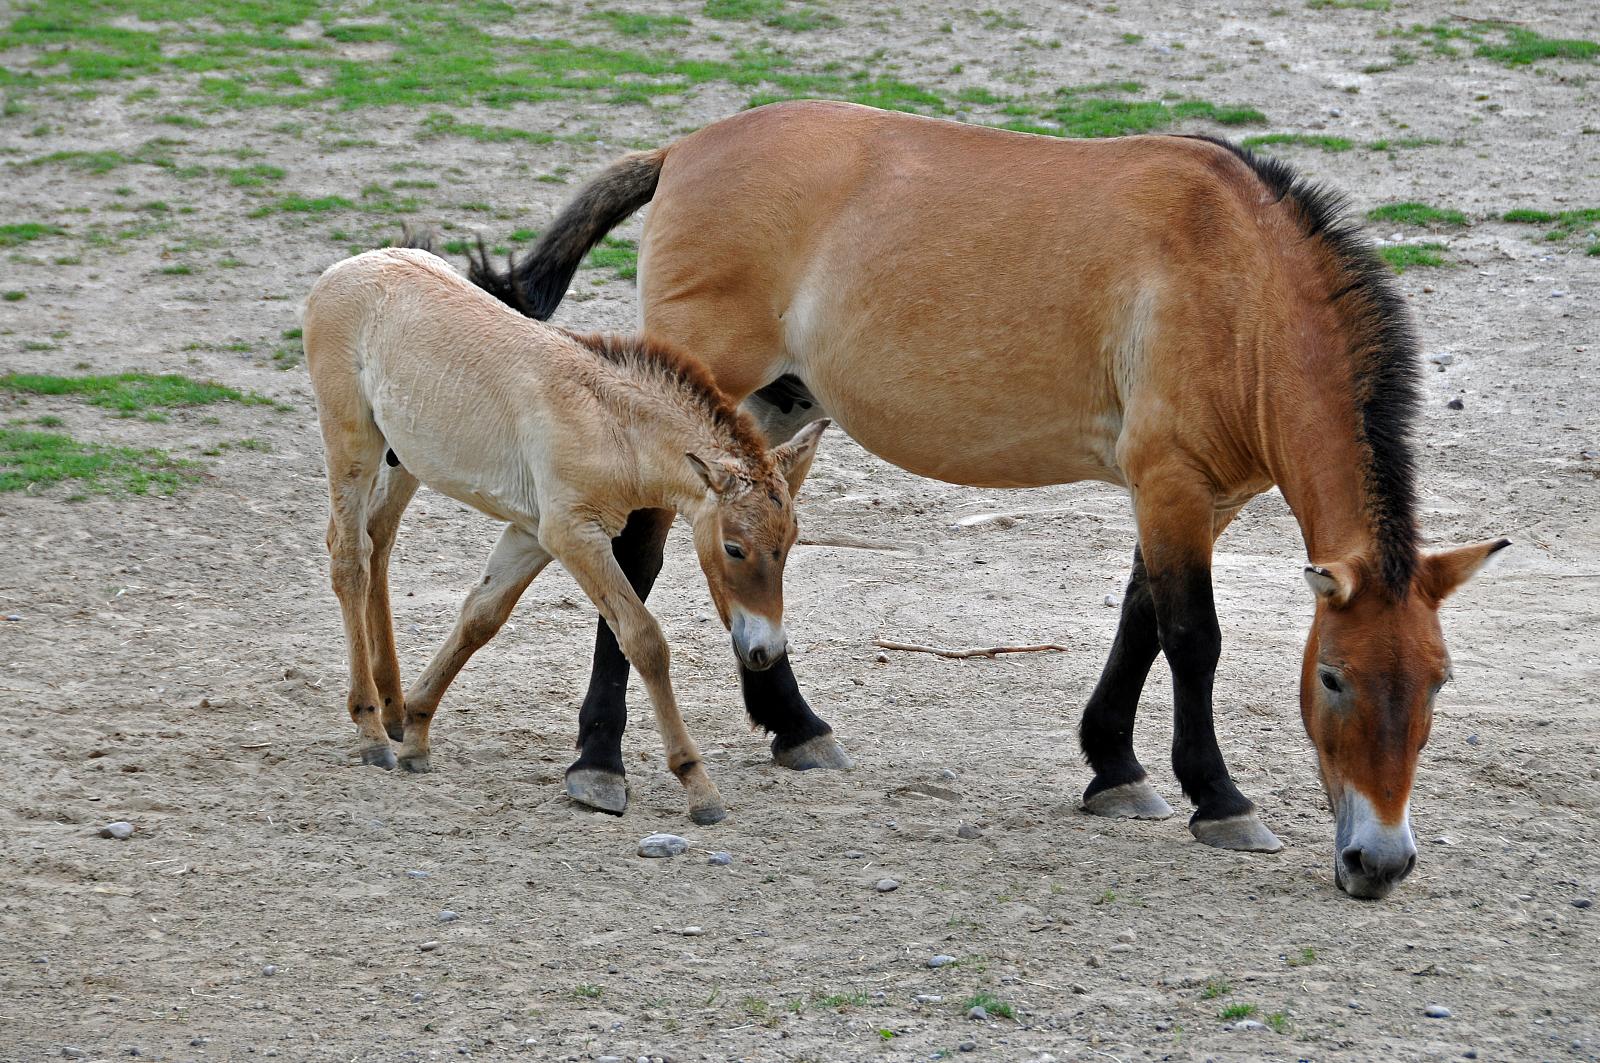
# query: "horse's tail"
535, 285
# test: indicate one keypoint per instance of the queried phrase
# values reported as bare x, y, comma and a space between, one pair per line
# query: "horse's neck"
664, 428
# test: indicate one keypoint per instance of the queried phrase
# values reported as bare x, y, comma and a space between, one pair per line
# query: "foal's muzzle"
758, 641
1371, 857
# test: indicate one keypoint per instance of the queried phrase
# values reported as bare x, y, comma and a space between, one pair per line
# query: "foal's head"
743, 536
1373, 664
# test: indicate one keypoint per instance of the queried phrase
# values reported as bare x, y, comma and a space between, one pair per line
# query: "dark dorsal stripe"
1383, 360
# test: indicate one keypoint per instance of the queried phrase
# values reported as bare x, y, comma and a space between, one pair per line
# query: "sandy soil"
178, 662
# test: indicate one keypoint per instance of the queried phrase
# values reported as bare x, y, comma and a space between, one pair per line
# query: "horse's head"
743, 539
1373, 664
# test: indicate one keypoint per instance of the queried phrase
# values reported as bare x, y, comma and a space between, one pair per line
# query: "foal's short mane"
649, 355
1383, 360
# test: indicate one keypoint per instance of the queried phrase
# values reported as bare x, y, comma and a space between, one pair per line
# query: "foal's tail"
535, 285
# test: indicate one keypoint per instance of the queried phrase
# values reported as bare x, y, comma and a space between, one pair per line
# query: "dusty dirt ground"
178, 662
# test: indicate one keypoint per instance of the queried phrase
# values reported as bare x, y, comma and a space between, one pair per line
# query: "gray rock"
1455, 404
1436, 1011
1582, 902
1248, 1025
416, 874
1127, 937
608, 1059
978, 1013
73, 1052
968, 832
120, 830
1112, 601
948, 775
720, 859
693, 932
941, 960
1441, 358
853, 854
660, 846
1472, 740
887, 885
1120, 947
447, 916
268, 970
428, 946
418, 997
968, 1046
15, 618
929, 998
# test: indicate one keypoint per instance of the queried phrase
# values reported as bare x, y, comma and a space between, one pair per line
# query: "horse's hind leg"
1120, 786
396, 486
516, 559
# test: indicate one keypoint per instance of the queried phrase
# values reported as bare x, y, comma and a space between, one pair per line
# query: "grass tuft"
1310, 140
1237, 1011
128, 393
1524, 47
1417, 214
990, 1003
31, 459
17, 233
1402, 257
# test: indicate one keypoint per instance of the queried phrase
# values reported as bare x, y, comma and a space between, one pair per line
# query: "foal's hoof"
599, 790
396, 731
708, 814
420, 764
379, 757
1131, 800
822, 751
1244, 834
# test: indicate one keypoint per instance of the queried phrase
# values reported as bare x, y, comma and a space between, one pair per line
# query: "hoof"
396, 731
1244, 834
421, 764
1131, 800
708, 814
599, 790
819, 752
379, 756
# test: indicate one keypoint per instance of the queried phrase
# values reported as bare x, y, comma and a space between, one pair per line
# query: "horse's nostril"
1353, 861
758, 657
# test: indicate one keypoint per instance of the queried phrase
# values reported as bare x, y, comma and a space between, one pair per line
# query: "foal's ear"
793, 459
1441, 573
1335, 583
718, 476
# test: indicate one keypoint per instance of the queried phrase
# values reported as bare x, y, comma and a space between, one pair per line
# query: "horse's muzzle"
1371, 857
758, 641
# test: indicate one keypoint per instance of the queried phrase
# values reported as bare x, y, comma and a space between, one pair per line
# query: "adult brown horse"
1169, 314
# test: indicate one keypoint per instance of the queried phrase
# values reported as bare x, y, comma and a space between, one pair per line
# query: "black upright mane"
1383, 360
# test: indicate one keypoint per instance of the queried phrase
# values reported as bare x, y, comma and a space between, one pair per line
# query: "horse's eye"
1331, 681
734, 550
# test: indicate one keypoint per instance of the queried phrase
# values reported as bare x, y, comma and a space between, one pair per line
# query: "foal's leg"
395, 488
589, 559
597, 778
1176, 530
351, 474
1120, 786
516, 559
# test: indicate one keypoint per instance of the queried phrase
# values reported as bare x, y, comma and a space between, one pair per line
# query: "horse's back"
972, 304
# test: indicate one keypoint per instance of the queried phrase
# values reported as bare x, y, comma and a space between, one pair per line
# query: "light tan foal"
559, 435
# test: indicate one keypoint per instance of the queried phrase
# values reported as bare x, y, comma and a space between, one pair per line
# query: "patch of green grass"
1304, 958
1237, 1011
1524, 47
586, 991
1097, 116
886, 1034
440, 124
1215, 989
1565, 223
179, 270
616, 254
1395, 143
990, 1003
187, 121
49, 420
87, 161
14, 296
1417, 214
1279, 1021
1402, 257
1309, 140
298, 204
841, 1001
779, 14
639, 24
31, 459
252, 176
18, 233
129, 393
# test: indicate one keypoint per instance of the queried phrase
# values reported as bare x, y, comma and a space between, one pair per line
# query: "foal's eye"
734, 551
1331, 681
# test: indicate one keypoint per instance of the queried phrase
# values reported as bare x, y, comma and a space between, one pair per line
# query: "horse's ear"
717, 476
793, 459
1334, 583
1442, 572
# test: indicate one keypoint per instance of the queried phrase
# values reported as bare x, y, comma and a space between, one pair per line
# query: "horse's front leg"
1176, 531
587, 555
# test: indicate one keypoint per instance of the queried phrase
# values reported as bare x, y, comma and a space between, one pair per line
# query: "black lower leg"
1192, 641
774, 702
1106, 733
604, 714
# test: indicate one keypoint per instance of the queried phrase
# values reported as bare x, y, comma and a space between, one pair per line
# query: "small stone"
416, 874
1427, 289
1079, 989
73, 1052
120, 830
693, 932
268, 970
196, 1042
418, 997
1455, 404
1121, 947
428, 946
1095, 960
1246, 1025
608, 1059
15, 618
1112, 601
1127, 937
887, 885
929, 998
968, 832
1441, 358
1558, 294
1472, 740
853, 854
978, 1013
1436, 1011
1582, 902
948, 774
658, 846
1444, 839
881, 657
447, 916
720, 859
968, 1046
941, 960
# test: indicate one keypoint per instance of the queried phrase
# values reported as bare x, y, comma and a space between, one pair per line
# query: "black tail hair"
535, 285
